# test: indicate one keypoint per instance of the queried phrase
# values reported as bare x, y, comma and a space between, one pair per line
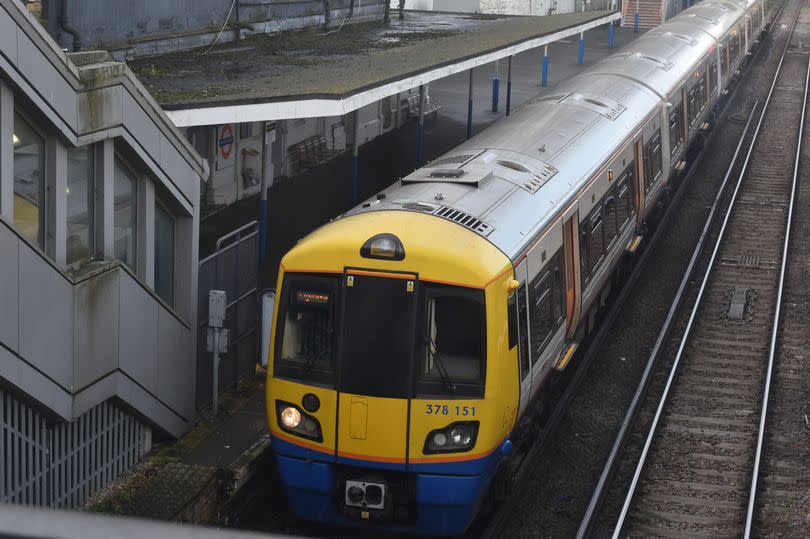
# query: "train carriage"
413, 335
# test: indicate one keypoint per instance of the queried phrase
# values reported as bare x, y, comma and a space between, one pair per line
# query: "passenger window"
624, 188
652, 160
597, 244
724, 59
523, 349
542, 321
558, 288
676, 128
611, 226
584, 257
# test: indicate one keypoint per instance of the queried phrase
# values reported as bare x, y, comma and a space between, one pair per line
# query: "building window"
80, 196
125, 194
164, 253
29, 182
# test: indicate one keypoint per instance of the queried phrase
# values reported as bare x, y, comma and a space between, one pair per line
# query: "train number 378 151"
444, 409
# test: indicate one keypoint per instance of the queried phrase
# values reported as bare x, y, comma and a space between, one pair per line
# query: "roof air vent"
416, 206
452, 160
464, 219
447, 173
514, 166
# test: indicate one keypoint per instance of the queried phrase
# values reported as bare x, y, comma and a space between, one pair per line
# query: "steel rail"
777, 317
502, 514
664, 397
635, 403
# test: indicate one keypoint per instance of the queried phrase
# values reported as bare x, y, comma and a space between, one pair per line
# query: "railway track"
698, 472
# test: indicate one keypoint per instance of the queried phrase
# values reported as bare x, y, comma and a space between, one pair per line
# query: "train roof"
510, 180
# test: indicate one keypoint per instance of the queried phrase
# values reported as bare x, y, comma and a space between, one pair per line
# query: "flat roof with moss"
311, 64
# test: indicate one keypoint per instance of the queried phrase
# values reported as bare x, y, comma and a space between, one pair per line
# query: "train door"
573, 284
519, 307
638, 160
374, 376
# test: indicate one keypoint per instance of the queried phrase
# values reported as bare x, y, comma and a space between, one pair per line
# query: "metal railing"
63, 464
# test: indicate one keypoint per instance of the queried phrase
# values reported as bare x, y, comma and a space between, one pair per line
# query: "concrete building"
136, 29
99, 223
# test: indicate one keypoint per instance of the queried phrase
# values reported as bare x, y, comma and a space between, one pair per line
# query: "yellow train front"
392, 388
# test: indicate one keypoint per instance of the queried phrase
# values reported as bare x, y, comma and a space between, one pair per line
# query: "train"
414, 336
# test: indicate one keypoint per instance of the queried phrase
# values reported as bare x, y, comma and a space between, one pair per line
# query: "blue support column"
544, 78
610, 35
509, 87
420, 150
635, 22
470, 106
581, 56
496, 87
263, 198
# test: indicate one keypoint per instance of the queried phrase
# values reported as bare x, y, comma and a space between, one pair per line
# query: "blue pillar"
496, 86
544, 79
420, 150
469, 106
509, 87
635, 22
610, 35
581, 57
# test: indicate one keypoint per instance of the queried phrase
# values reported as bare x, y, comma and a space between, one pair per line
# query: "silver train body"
565, 183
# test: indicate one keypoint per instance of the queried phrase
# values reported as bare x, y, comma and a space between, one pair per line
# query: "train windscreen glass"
377, 335
306, 348
450, 332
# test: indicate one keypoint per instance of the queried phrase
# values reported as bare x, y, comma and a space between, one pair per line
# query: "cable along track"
698, 471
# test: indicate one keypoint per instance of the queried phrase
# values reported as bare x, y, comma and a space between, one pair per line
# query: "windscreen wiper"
434, 352
312, 358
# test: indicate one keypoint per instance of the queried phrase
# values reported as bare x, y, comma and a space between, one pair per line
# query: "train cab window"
546, 300
675, 128
305, 350
451, 353
652, 160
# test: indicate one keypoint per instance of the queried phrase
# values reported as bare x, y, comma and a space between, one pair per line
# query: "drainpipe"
64, 24
327, 16
351, 10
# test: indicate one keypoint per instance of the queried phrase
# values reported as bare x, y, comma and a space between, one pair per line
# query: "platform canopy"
310, 73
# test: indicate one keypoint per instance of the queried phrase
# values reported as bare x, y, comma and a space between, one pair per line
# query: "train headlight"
293, 420
454, 438
290, 417
383, 247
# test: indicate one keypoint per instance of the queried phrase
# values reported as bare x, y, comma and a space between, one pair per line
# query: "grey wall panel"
141, 126
28, 380
9, 289
100, 109
8, 36
138, 333
150, 407
175, 381
177, 169
49, 83
98, 392
46, 317
95, 340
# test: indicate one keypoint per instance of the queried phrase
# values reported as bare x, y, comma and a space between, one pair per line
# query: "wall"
135, 29
74, 337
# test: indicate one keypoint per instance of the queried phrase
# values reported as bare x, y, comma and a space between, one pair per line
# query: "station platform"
312, 73
206, 476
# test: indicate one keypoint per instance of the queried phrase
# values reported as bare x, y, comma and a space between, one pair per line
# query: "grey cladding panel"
46, 80
138, 333
100, 109
141, 126
96, 327
8, 36
46, 317
9, 289
177, 169
175, 375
